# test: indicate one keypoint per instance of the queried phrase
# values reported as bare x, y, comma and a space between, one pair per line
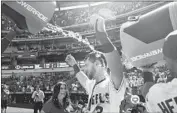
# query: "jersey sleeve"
115, 65
83, 79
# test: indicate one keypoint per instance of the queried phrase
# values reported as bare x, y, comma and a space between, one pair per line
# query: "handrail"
55, 37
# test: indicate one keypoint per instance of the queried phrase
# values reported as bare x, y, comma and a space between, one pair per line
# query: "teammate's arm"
111, 54
8, 38
80, 75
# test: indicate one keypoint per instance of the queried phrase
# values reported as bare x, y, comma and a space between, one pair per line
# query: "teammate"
9, 37
162, 97
105, 91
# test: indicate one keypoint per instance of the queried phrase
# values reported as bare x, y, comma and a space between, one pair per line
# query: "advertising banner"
142, 40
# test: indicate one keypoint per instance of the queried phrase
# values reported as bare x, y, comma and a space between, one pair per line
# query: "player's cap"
170, 46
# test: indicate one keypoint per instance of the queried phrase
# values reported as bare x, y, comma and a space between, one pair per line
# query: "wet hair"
94, 56
56, 91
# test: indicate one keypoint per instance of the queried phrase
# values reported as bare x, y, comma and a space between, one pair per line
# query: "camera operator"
38, 97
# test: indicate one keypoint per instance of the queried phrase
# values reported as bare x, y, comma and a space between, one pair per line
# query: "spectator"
162, 79
38, 97
60, 100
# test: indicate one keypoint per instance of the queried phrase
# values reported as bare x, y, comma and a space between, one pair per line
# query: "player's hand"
70, 60
100, 21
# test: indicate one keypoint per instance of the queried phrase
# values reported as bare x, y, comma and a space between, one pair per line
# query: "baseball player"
105, 91
162, 97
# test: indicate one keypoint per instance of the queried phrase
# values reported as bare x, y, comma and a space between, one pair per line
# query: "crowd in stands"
135, 82
22, 83
46, 81
54, 45
47, 47
135, 76
6, 23
78, 16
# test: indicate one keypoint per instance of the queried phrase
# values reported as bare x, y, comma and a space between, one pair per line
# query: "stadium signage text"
32, 10
5, 67
24, 67
146, 55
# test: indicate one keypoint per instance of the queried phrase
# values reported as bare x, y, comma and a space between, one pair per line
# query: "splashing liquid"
71, 34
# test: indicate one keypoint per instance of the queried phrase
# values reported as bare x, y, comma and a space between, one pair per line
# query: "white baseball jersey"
104, 97
162, 98
38, 96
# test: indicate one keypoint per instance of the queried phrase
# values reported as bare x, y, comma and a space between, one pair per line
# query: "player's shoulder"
173, 82
154, 91
157, 87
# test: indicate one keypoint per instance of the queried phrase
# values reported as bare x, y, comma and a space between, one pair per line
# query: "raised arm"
9, 37
80, 75
111, 54
7, 40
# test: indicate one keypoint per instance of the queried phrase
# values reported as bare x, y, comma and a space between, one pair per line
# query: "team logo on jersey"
100, 98
135, 99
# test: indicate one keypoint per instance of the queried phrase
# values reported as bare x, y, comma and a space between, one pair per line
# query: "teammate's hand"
70, 60
100, 21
